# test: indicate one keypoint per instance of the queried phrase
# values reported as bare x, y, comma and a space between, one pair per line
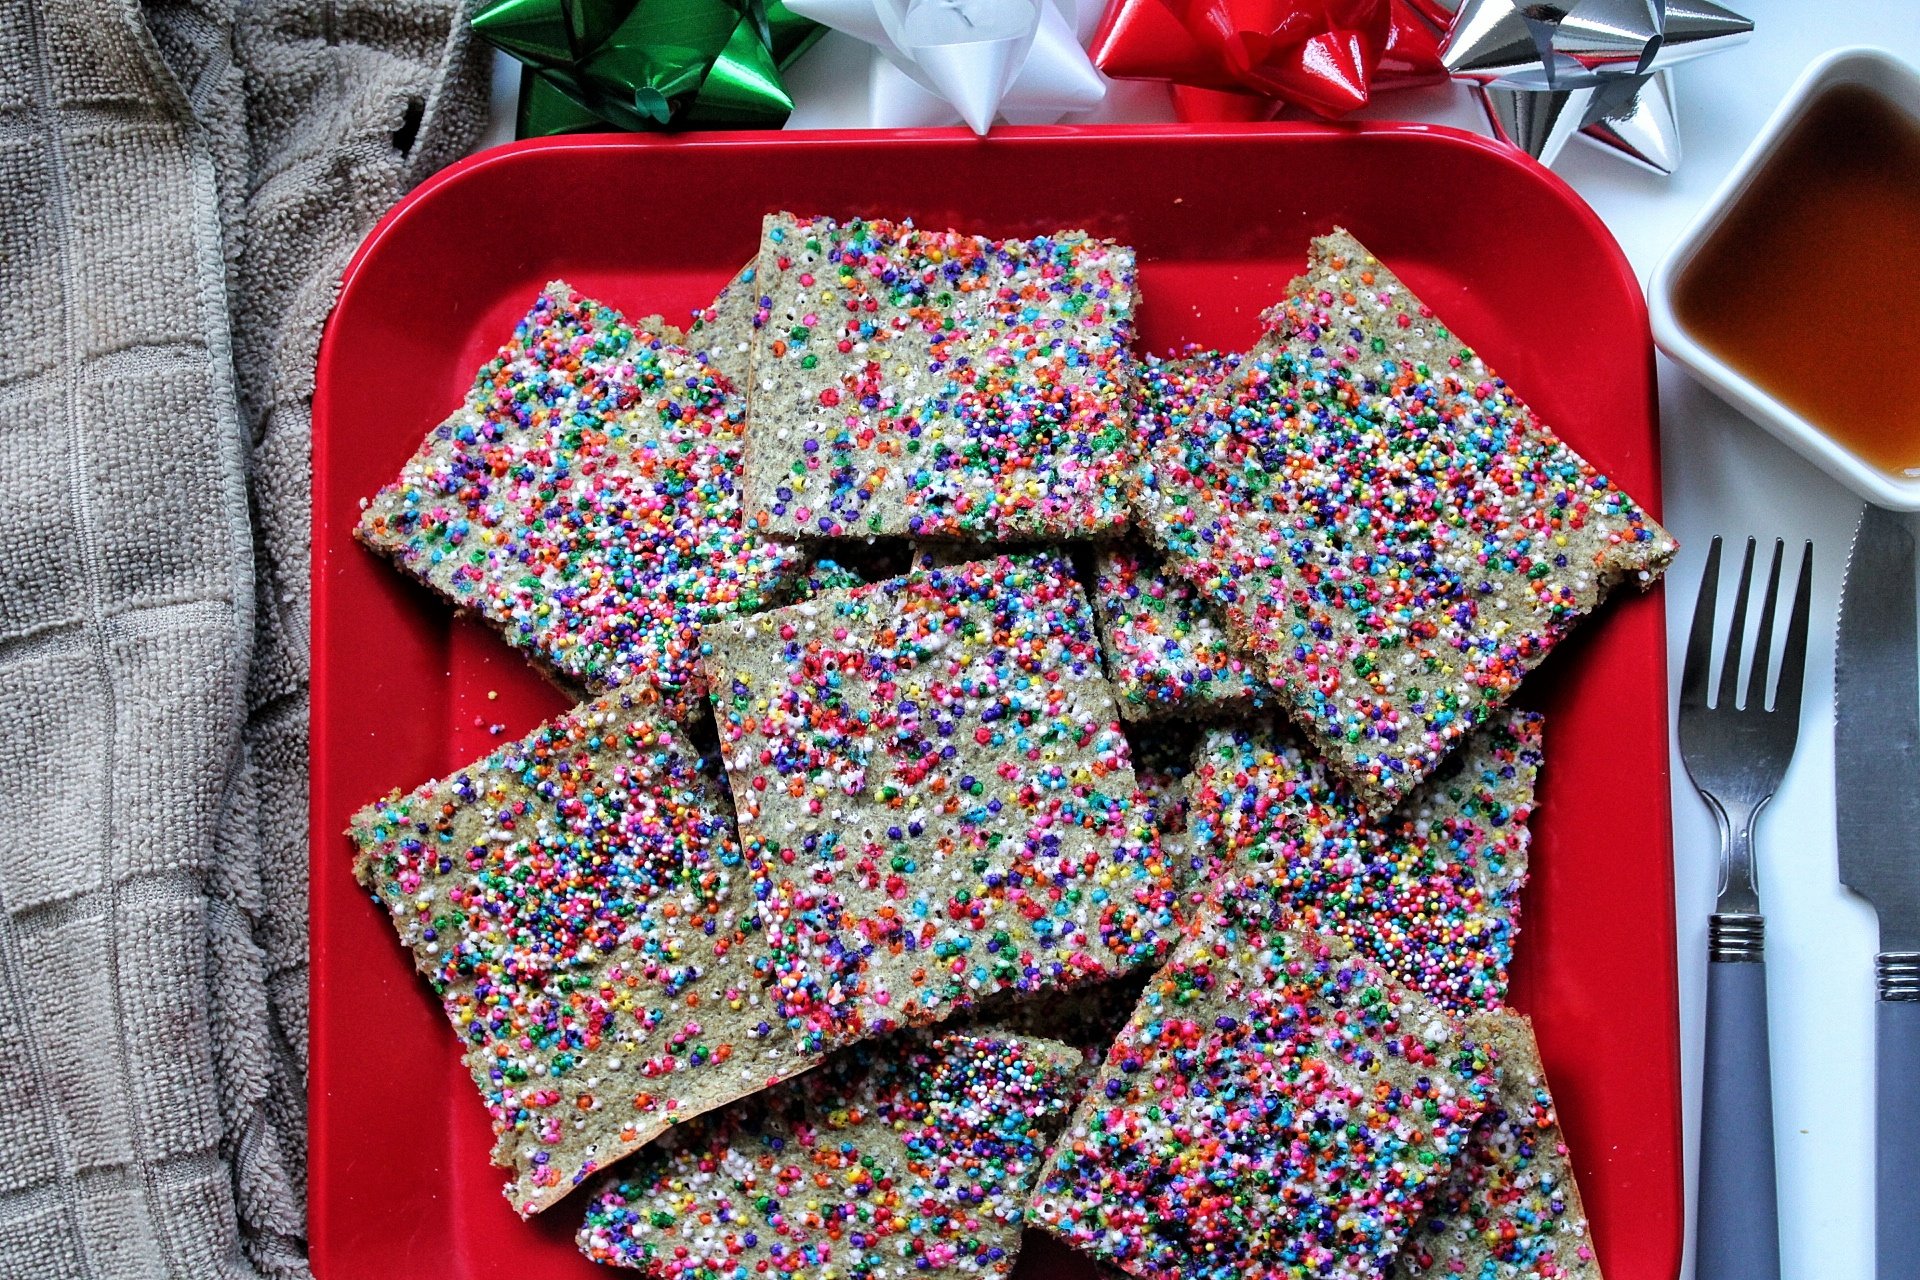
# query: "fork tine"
1736, 637
1756, 699
1693, 673
1793, 656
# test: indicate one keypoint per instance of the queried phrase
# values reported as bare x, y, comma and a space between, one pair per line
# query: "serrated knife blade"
1876, 784
1876, 745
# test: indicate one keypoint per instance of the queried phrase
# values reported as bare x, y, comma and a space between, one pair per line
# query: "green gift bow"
648, 64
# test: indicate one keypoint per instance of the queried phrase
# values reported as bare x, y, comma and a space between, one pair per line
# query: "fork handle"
1739, 1215
1897, 1118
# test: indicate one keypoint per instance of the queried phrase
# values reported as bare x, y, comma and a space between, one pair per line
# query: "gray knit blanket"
181, 184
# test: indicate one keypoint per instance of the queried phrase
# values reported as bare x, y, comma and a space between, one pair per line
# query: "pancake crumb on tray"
1378, 519
932, 384
906, 1157
585, 502
577, 903
935, 799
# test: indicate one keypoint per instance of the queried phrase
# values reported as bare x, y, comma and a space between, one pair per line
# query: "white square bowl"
1889, 78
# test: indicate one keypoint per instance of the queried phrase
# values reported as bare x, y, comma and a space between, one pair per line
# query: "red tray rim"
863, 141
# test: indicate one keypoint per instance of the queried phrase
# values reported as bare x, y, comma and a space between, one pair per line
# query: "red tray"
400, 1182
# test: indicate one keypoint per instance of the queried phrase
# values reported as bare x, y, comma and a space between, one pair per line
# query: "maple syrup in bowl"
1797, 294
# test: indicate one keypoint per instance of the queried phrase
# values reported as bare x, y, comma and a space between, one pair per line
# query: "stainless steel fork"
1736, 750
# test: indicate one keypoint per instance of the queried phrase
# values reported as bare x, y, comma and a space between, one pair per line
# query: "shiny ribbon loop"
939, 61
648, 64
1316, 55
1328, 56
1598, 69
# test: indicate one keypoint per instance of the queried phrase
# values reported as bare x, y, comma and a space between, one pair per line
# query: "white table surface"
1722, 475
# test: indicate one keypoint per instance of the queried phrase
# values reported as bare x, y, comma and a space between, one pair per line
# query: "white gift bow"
938, 61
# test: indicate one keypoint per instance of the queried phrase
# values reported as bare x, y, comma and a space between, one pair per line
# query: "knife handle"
1739, 1214
1897, 1120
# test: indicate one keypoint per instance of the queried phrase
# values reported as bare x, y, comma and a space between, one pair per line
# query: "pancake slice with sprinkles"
932, 384
824, 574
1511, 1210
1167, 653
1162, 760
1393, 533
585, 501
1430, 892
909, 1157
576, 901
935, 797
722, 331
1084, 1018
1276, 1109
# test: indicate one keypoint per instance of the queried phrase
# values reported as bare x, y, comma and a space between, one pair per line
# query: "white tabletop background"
1722, 475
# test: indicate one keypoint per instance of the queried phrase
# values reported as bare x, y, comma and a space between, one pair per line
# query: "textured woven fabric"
180, 187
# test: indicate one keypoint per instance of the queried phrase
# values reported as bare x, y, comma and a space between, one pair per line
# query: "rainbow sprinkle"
935, 799
932, 384
1398, 540
1430, 893
576, 900
585, 501
912, 1156
1275, 1108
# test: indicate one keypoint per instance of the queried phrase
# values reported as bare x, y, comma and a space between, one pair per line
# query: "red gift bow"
1244, 59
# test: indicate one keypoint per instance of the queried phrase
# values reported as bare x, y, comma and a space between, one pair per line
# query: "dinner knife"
1876, 760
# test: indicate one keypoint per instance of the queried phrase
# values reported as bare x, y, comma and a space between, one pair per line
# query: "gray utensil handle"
1739, 1215
1897, 1140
